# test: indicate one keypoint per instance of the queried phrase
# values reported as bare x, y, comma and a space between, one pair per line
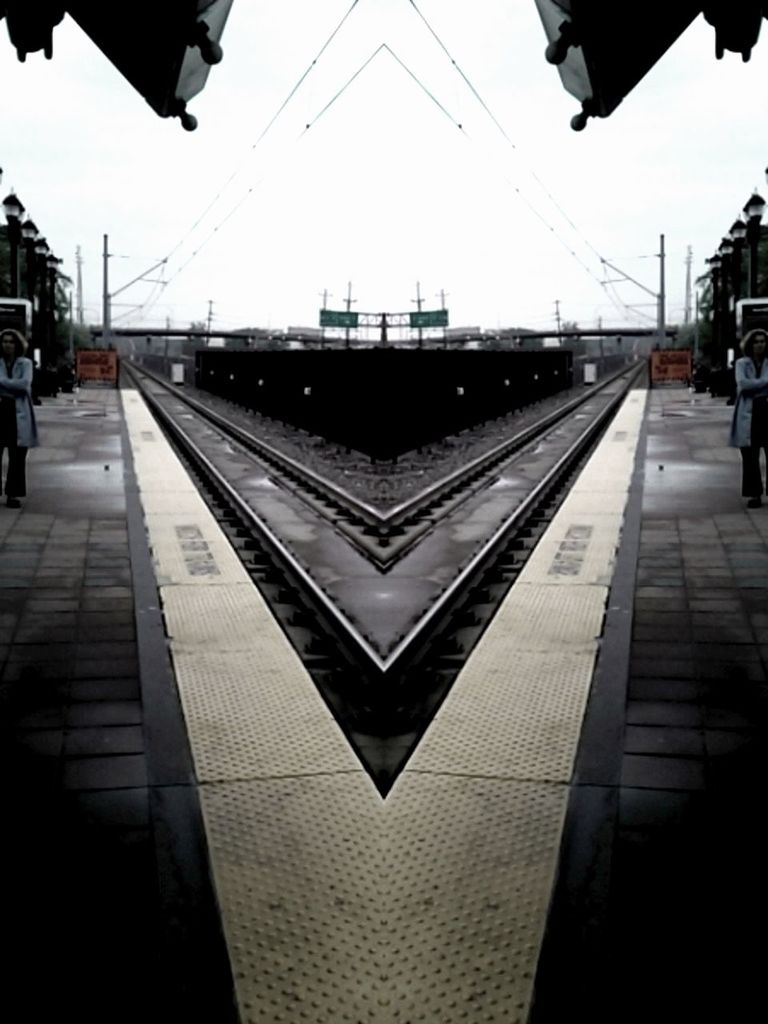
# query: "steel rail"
263, 530
411, 508
516, 520
414, 639
266, 451
482, 463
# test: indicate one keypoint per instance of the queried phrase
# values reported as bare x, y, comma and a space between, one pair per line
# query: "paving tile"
659, 808
715, 604
118, 772
112, 650
87, 713
663, 713
105, 689
111, 634
117, 808
658, 668
712, 668
667, 593
90, 668
662, 772
676, 651
665, 740
48, 606
726, 742
725, 718
40, 742
649, 617
664, 689
660, 605
661, 634
724, 634
102, 740
34, 652
37, 671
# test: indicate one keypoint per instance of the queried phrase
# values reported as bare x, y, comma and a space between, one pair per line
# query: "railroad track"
384, 637
384, 534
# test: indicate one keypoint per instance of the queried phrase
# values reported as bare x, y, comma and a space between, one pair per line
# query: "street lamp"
13, 209
29, 235
39, 315
738, 234
728, 307
714, 273
754, 210
49, 328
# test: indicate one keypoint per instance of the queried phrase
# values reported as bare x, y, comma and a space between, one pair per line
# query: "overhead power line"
530, 170
269, 124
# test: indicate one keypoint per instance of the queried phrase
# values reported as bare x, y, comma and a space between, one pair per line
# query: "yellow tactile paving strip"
427, 907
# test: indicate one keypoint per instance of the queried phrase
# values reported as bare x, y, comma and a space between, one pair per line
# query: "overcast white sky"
383, 190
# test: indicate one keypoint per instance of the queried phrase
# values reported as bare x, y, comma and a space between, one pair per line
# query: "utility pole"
325, 293
442, 293
557, 317
349, 301
106, 326
72, 324
418, 300
688, 262
210, 317
658, 296
662, 295
79, 264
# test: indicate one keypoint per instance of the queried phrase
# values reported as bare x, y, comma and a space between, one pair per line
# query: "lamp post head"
738, 230
754, 207
725, 248
12, 207
29, 230
41, 246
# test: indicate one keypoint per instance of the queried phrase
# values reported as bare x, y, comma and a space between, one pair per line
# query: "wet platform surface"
663, 881
92, 912
658, 913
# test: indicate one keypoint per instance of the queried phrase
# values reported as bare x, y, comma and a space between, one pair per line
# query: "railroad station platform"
232, 859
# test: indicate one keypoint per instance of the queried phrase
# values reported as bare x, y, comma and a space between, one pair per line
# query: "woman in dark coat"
749, 426
18, 429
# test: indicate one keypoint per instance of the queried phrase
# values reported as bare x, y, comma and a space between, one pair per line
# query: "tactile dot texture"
228, 617
299, 867
511, 714
539, 617
334, 912
256, 714
593, 502
471, 867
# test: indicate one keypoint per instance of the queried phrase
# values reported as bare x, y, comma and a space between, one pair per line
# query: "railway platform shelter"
188, 836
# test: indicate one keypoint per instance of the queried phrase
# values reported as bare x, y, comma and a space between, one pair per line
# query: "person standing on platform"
749, 426
18, 429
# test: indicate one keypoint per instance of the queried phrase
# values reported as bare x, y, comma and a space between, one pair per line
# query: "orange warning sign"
671, 366
96, 366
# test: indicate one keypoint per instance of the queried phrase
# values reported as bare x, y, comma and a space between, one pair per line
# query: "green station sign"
337, 318
430, 318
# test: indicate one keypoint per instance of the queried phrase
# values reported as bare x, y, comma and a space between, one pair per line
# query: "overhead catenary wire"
571, 251
267, 127
530, 170
324, 110
363, 66
253, 146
